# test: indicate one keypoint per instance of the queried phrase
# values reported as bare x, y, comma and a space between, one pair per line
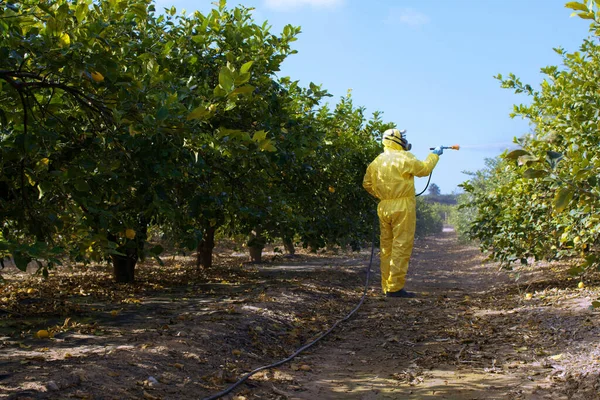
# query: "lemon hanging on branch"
97, 76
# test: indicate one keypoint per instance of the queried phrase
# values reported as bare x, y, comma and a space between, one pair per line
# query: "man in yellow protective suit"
390, 178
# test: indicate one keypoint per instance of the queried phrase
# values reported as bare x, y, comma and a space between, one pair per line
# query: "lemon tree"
542, 200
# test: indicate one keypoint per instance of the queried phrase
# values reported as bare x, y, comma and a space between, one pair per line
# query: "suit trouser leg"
385, 246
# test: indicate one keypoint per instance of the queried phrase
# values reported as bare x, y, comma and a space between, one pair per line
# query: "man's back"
391, 174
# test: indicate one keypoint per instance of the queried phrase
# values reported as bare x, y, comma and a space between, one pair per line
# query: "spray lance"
454, 147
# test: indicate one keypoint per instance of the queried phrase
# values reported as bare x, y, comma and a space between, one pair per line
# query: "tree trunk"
288, 245
205, 248
256, 254
124, 268
256, 244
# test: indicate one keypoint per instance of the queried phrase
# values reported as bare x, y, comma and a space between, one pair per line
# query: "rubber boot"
401, 293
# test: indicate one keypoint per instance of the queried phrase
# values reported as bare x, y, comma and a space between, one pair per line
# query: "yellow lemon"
97, 77
42, 334
528, 296
581, 285
331, 189
130, 233
64, 40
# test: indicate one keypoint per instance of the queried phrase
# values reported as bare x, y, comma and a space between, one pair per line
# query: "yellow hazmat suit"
390, 178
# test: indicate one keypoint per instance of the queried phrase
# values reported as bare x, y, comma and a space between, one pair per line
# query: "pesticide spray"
500, 147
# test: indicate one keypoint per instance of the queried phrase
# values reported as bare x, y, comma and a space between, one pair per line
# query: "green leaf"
590, 260
156, 250
575, 271
244, 90
595, 304
222, 132
226, 79
267, 145
554, 155
162, 113
81, 12
259, 135
200, 112
82, 186
513, 155
219, 91
575, 5
527, 159
588, 15
242, 78
534, 173
158, 260
21, 260
562, 199
199, 39
246, 67
191, 244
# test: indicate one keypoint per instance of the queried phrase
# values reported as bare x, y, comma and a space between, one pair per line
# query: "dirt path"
178, 334
468, 335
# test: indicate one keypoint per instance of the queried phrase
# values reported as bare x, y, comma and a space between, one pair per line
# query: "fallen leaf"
149, 396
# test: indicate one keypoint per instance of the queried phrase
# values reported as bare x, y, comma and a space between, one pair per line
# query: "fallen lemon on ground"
528, 296
581, 285
42, 334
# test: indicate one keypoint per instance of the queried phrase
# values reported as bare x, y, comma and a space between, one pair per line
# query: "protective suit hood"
394, 139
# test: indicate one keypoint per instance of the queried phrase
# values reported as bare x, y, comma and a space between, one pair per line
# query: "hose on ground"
308, 345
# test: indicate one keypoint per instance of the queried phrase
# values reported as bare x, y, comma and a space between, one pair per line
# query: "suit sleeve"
424, 168
368, 182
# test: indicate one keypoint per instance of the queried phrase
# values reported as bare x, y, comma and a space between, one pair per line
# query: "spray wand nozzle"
455, 147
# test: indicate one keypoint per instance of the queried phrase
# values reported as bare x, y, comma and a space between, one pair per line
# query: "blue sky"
428, 65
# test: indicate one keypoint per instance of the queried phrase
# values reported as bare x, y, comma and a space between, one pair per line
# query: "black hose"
306, 346
426, 186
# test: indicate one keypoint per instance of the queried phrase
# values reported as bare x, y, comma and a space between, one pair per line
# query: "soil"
475, 331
